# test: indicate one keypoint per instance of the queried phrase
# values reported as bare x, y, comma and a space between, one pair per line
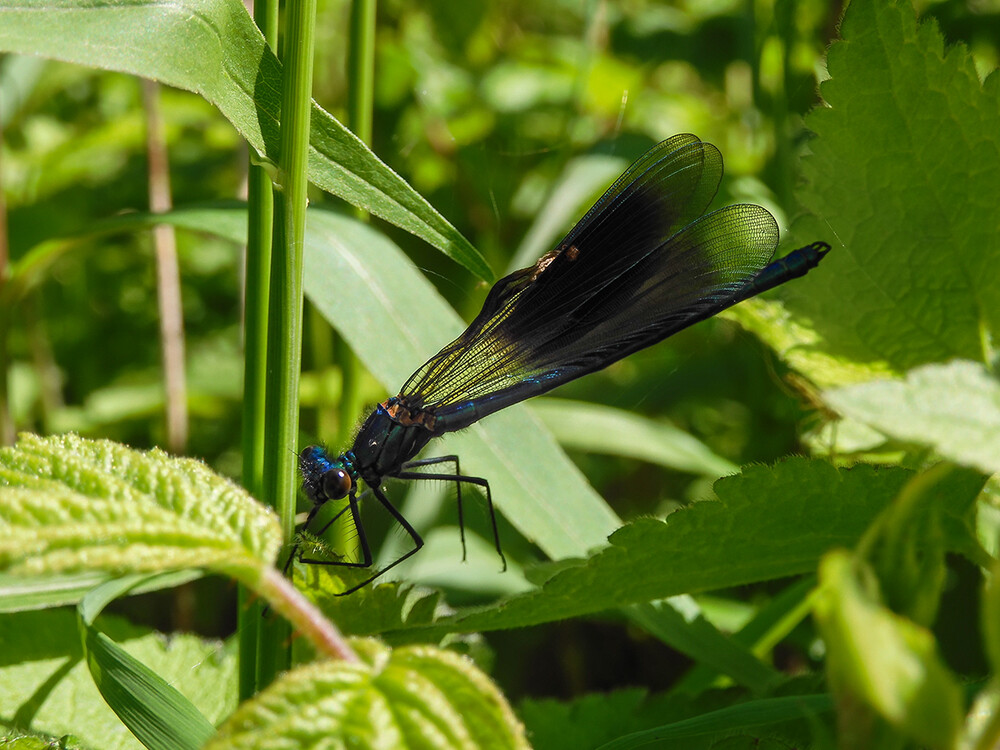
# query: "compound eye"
336, 484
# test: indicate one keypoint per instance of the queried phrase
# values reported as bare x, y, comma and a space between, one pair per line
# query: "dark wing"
638, 267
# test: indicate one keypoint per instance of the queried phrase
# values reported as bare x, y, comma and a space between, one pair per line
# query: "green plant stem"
258, 261
361, 69
286, 600
284, 341
260, 219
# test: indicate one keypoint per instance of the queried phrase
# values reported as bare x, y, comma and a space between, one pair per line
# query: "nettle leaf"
68, 504
954, 408
371, 610
883, 660
776, 521
213, 48
411, 697
902, 181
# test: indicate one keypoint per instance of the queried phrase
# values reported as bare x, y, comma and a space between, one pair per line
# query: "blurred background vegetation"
492, 110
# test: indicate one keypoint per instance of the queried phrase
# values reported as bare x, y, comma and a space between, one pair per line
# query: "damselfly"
642, 264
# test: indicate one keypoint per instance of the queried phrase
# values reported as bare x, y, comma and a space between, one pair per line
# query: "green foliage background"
510, 118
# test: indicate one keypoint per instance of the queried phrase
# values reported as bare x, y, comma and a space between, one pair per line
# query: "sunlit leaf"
953, 408
411, 697
68, 504
901, 180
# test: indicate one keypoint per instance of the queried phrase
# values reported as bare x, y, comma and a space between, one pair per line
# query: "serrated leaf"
902, 182
213, 48
371, 610
777, 521
883, 660
68, 504
953, 408
411, 697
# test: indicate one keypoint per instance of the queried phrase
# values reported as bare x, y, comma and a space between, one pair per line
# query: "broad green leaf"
883, 660
371, 610
69, 505
411, 697
902, 182
953, 408
777, 521
213, 48
394, 319
45, 685
604, 429
153, 710
404, 614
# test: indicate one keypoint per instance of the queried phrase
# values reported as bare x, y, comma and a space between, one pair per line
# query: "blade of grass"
154, 711
257, 280
284, 351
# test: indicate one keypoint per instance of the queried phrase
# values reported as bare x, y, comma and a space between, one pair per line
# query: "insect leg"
453, 459
458, 478
366, 552
418, 542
